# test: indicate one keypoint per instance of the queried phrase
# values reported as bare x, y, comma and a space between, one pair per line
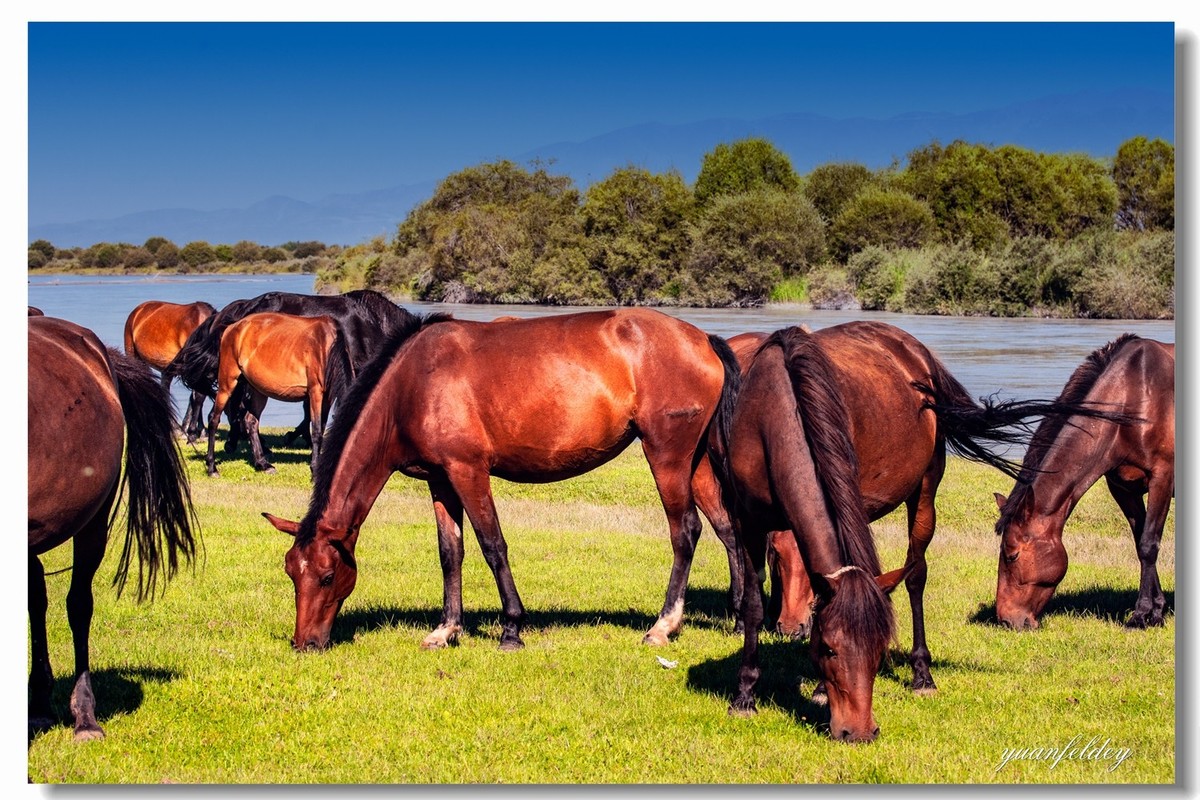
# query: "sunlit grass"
203, 687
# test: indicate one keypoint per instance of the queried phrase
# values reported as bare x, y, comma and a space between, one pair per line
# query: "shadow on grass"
118, 691
1106, 604
298, 452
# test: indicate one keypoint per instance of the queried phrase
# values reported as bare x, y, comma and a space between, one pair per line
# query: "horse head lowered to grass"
1134, 378
453, 403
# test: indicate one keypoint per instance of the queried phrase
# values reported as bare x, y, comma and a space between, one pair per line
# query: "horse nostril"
875, 733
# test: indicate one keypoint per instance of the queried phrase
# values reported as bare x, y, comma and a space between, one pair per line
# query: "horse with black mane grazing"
788, 464
903, 410
366, 319
453, 403
88, 406
155, 332
284, 357
1136, 456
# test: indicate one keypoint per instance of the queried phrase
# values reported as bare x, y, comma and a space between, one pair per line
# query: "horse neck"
1073, 463
360, 470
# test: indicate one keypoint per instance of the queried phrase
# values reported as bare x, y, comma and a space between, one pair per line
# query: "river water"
1016, 358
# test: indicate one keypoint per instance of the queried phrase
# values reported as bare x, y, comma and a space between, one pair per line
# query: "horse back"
552, 396
1140, 380
156, 330
281, 355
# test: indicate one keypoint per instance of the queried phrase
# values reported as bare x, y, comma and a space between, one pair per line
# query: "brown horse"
1065, 457
537, 400
88, 405
903, 410
283, 357
155, 332
788, 464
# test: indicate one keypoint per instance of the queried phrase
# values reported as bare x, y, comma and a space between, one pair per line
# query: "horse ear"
1000, 500
285, 525
888, 581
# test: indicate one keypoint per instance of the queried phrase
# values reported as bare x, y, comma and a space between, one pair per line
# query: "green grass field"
202, 685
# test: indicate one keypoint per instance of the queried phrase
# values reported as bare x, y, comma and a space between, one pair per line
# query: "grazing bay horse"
1130, 375
903, 409
537, 400
366, 319
788, 464
155, 332
283, 357
88, 406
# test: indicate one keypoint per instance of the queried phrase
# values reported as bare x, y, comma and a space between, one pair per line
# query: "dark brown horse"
155, 332
538, 400
283, 357
903, 410
87, 406
788, 464
1131, 375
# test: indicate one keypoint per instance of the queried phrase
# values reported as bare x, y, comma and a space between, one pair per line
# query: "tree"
1144, 174
745, 165
155, 242
886, 218
960, 185
746, 243
197, 253
45, 248
830, 186
167, 255
636, 225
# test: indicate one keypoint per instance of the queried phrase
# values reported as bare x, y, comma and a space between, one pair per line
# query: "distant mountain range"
1092, 123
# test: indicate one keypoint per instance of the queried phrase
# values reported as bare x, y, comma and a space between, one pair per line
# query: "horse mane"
1081, 382
379, 308
827, 431
349, 409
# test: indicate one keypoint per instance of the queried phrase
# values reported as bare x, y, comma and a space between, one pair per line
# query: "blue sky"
125, 117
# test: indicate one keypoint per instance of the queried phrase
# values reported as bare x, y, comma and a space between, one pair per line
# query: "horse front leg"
193, 421
89, 552
792, 598
41, 678
475, 490
255, 403
922, 519
1146, 521
752, 547
448, 514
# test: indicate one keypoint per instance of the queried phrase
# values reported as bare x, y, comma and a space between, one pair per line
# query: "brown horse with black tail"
788, 464
903, 409
155, 332
283, 357
536, 400
1136, 456
91, 408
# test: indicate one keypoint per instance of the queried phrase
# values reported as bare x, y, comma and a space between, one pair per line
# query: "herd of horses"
789, 443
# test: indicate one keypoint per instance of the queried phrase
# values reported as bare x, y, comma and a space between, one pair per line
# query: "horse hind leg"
89, 552
673, 477
752, 549
707, 493
922, 519
41, 677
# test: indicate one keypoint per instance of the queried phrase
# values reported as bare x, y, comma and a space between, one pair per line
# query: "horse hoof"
89, 734
511, 645
742, 711
925, 691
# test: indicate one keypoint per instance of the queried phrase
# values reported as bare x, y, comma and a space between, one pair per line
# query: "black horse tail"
196, 362
160, 520
722, 419
971, 426
339, 373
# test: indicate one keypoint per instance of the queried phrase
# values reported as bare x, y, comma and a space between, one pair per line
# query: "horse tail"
196, 362
722, 417
971, 427
160, 520
822, 413
339, 372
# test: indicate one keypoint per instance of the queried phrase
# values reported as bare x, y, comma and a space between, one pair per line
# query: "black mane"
349, 409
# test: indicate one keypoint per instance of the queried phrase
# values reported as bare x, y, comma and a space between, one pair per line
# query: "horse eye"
327, 580
828, 652
1008, 559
